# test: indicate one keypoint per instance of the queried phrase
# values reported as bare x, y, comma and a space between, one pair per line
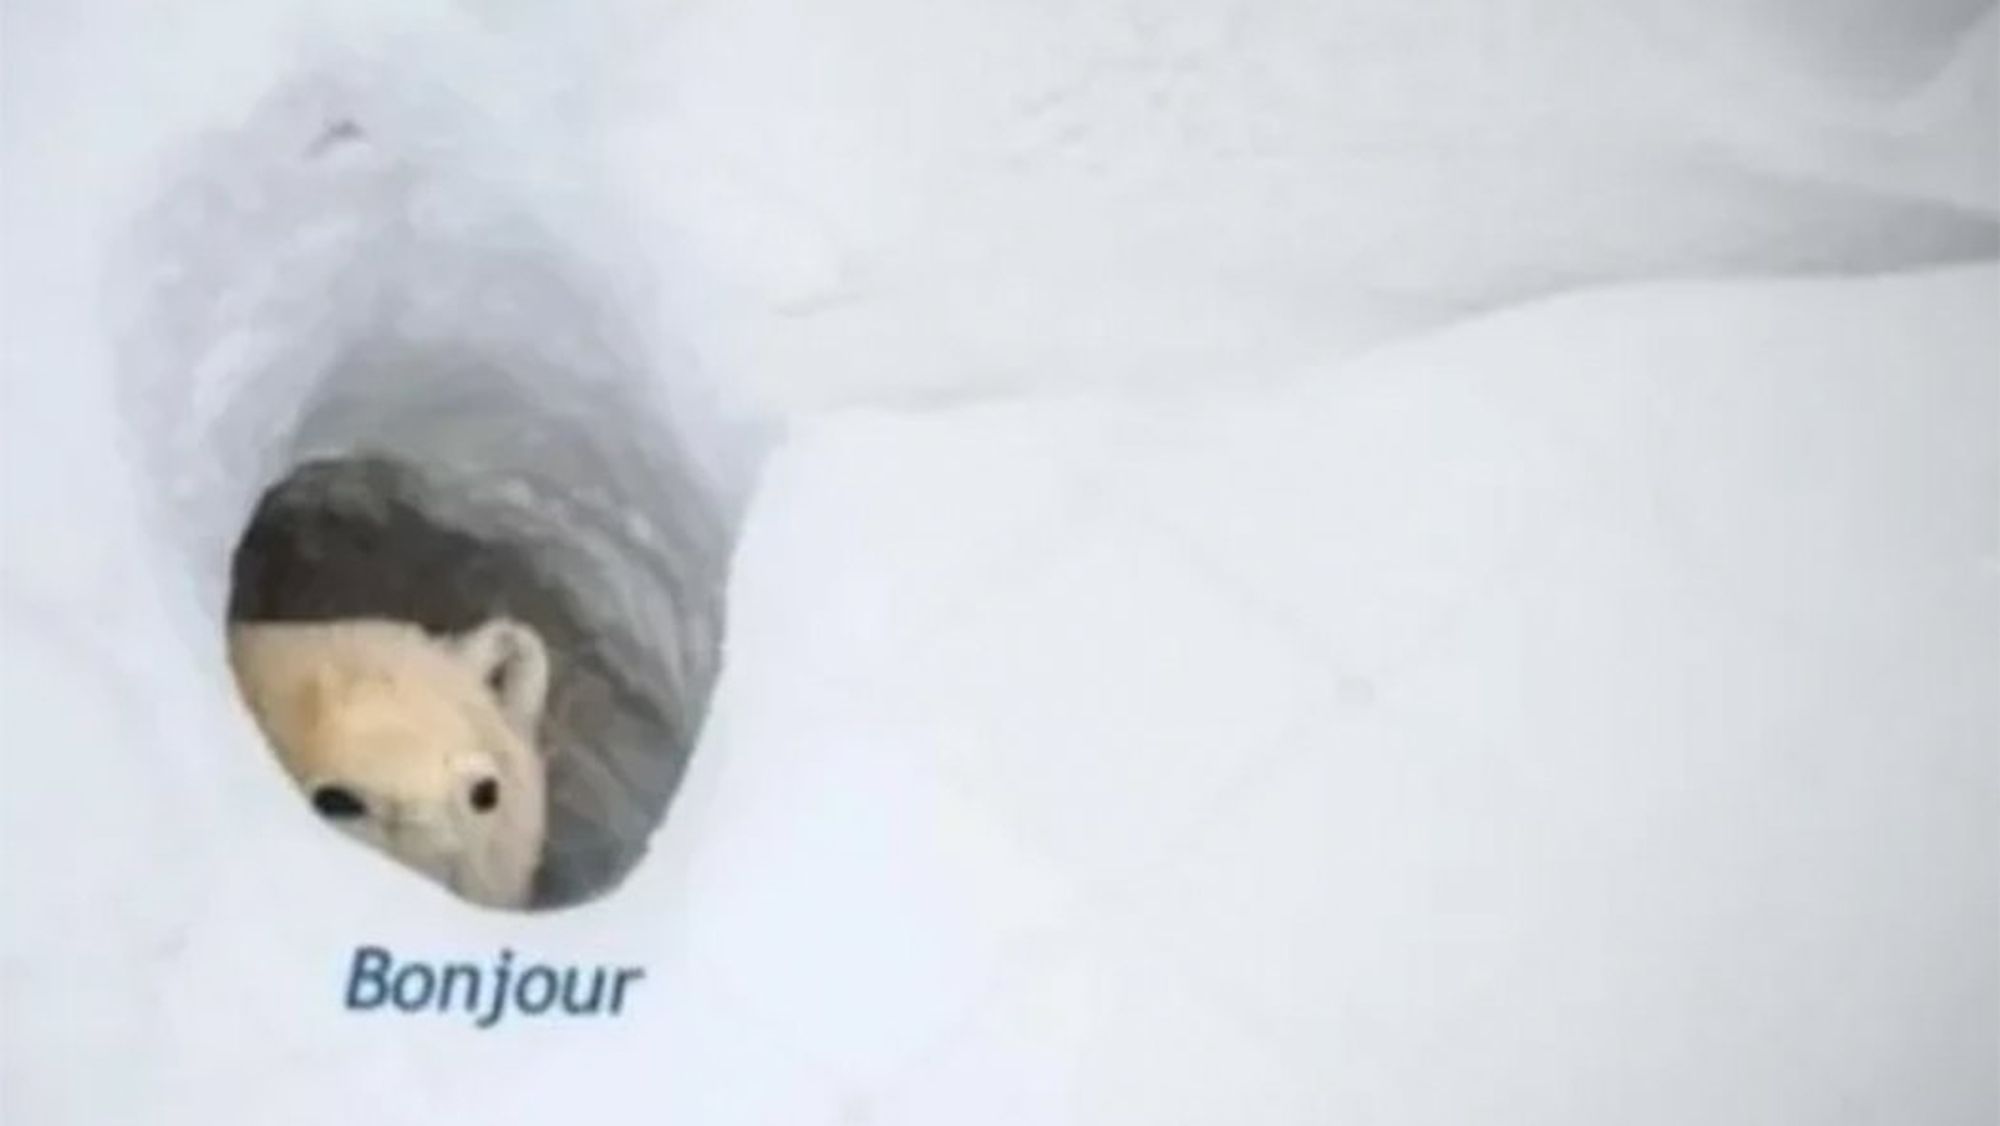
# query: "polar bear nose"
338, 803
484, 795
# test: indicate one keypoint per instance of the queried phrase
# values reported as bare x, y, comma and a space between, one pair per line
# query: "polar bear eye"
338, 803
485, 794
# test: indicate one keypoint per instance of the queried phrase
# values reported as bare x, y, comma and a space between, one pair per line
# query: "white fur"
407, 725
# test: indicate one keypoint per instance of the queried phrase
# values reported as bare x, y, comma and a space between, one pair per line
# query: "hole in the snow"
427, 391
437, 690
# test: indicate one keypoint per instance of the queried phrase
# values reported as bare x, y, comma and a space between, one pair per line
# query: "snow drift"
1248, 689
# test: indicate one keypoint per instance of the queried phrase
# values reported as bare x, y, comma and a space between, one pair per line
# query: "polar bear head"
424, 747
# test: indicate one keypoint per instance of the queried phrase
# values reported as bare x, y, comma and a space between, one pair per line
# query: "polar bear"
425, 747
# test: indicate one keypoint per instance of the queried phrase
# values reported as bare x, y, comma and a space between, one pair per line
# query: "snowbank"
1591, 701
1576, 714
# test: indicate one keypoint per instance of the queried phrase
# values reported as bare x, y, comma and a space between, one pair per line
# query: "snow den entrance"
373, 367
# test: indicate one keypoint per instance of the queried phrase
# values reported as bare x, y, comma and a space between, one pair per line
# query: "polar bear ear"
510, 661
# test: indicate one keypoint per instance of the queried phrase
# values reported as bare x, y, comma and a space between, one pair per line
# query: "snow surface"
1247, 690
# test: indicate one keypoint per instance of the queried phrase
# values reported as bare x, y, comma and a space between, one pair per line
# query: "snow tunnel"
370, 379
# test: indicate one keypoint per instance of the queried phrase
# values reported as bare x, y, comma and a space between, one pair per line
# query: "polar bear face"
423, 747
